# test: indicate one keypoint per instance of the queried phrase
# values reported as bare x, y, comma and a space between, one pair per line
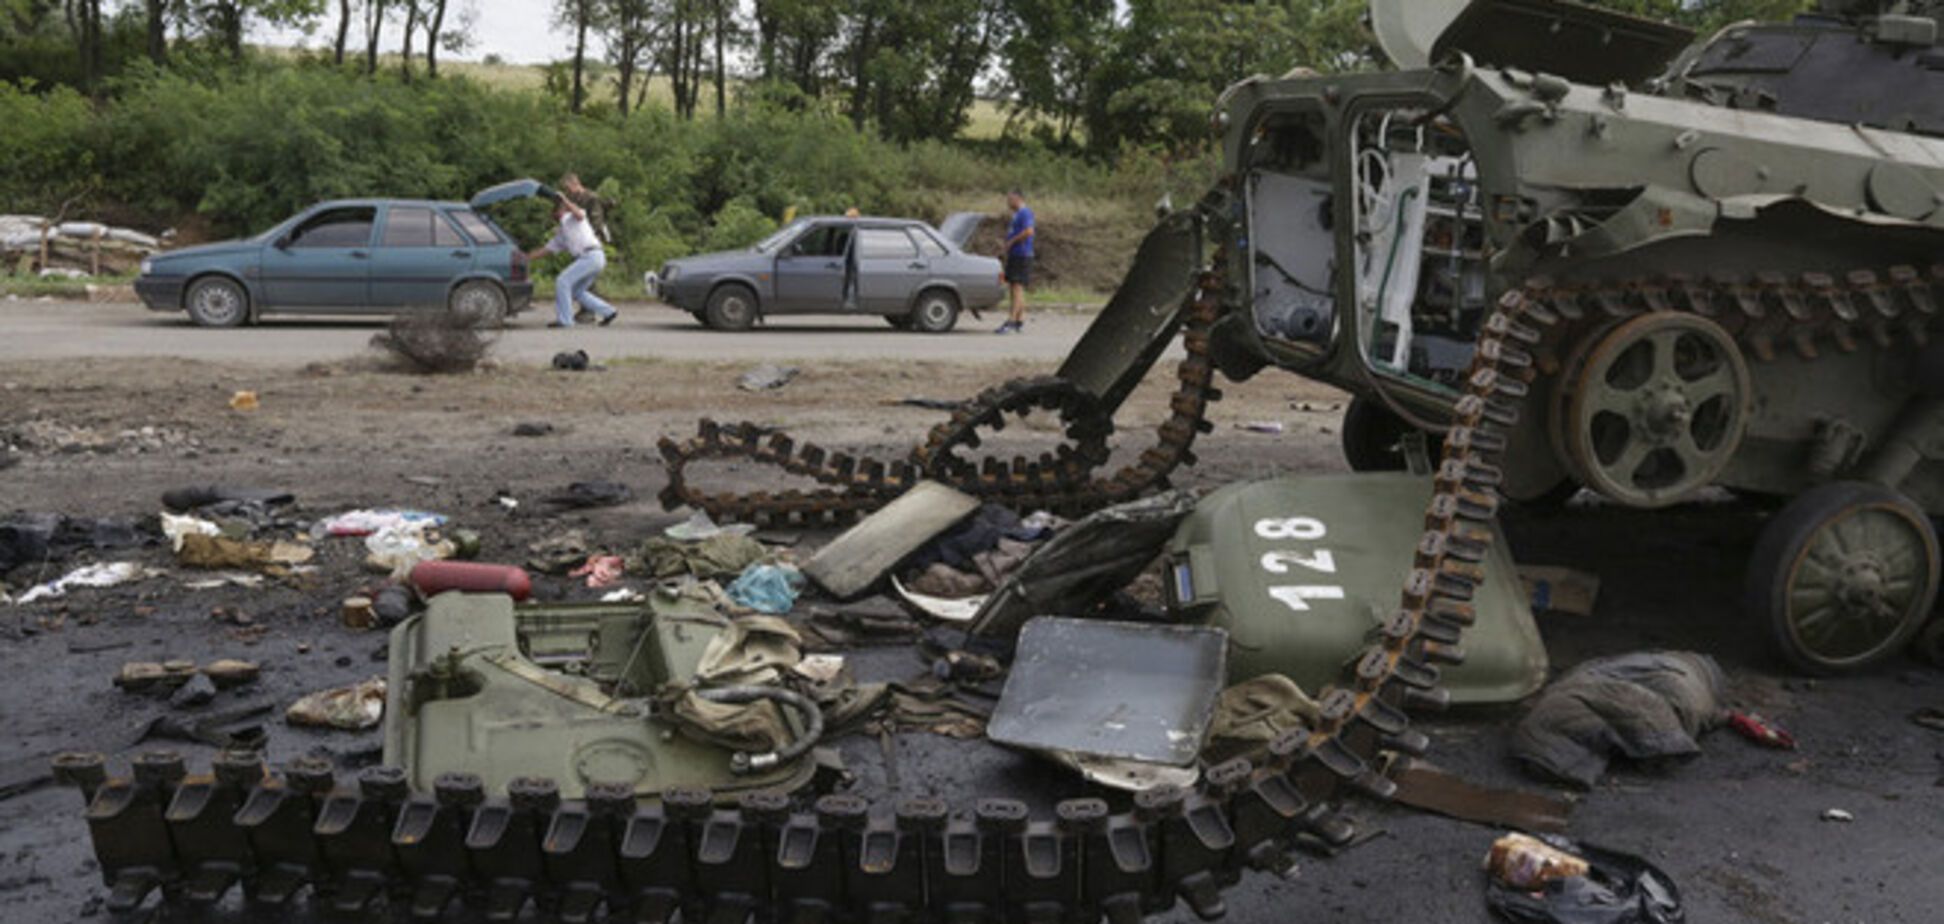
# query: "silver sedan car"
916, 276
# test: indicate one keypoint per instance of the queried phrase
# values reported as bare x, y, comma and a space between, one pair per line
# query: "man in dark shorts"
1019, 261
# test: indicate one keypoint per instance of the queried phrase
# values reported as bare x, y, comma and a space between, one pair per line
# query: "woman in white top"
576, 282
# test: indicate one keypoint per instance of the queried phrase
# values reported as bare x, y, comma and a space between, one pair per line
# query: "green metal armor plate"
480, 686
1300, 571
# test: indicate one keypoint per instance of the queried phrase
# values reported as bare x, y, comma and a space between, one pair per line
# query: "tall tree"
435, 36
582, 16
88, 38
411, 29
229, 21
632, 30
1052, 48
724, 14
343, 31
686, 26
374, 17
912, 67
157, 16
795, 38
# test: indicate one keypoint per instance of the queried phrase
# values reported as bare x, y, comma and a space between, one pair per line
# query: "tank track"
1770, 313
837, 858
1062, 481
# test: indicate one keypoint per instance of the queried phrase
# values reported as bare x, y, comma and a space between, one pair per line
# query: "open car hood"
1570, 40
517, 189
959, 227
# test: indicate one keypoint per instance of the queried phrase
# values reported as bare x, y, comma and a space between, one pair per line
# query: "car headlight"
669, 272
148, 266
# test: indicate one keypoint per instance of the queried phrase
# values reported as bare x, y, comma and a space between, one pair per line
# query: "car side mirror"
282, 242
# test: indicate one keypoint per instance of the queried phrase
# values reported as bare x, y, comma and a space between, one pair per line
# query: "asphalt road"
32, 329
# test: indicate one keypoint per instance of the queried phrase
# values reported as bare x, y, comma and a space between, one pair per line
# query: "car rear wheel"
217, 301
731, 307
480, 302
937, 312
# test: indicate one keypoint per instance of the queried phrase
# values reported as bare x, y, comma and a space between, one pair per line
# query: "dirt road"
1738, 828
31, 329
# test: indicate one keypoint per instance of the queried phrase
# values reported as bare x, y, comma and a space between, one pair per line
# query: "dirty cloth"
751, 651
201, 497
1644, 706
560, 553
583, 495
724, 556
396, 550
366, 522
766, 588
1251, 714
986, 571
923, 704
601, 570
101, 575
174, 528
34, 538
1619, 889
699, 527
982, 532
847, 629
353, 708
218, 553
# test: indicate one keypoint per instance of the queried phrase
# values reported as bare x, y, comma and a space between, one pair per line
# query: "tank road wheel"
1845, 575
1654, 409
731, 307
1373, 437
217, 301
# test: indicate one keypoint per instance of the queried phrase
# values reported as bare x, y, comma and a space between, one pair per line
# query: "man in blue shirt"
1019, 260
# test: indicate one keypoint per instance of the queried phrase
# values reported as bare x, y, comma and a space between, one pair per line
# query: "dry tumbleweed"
436, 342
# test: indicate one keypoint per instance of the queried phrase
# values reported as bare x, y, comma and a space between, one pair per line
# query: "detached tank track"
1062, 481
839, 858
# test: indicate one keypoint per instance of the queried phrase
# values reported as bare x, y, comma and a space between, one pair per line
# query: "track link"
1062, 481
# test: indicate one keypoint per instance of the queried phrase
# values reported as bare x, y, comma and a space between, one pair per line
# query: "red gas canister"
437, 577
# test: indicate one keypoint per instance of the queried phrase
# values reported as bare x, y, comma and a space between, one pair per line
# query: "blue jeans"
576, 284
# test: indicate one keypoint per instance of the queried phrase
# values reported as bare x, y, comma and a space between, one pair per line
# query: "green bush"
244, 147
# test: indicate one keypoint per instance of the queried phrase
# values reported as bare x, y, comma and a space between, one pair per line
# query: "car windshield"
790, 231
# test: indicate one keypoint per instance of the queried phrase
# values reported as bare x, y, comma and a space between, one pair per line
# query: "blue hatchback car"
351, 257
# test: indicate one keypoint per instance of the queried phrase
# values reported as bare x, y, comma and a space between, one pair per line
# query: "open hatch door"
1580, 43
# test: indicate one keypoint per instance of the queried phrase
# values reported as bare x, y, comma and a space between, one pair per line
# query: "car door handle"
833, 265
462, 253
359, 254
918, 265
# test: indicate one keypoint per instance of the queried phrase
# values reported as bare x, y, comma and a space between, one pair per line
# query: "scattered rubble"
352, 708
767, 377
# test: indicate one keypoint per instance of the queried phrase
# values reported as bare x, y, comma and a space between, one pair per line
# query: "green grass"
56, 286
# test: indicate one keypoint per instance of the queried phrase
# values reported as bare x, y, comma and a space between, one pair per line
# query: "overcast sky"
520, 31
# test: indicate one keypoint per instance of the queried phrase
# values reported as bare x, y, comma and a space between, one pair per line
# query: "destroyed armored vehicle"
1743, 239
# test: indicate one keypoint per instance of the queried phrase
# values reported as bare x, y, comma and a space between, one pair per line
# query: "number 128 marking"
1298, 596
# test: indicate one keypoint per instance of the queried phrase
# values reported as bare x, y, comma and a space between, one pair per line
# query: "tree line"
1070, 72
